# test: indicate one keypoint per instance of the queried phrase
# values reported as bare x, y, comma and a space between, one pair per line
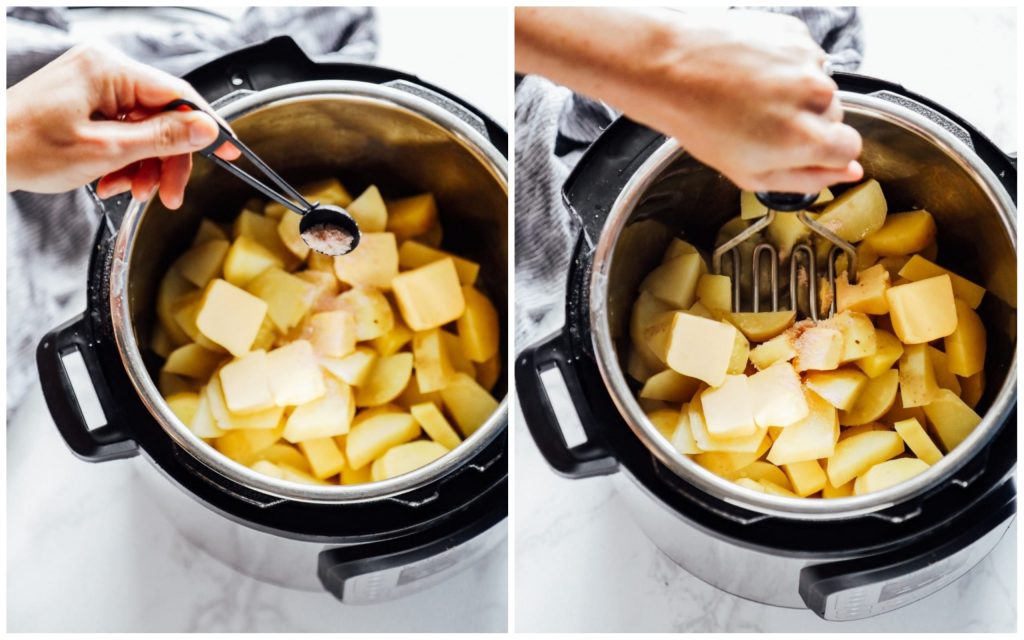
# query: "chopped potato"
369, 211
412, 216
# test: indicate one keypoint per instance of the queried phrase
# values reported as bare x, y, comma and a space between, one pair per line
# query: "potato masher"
802, 252
327, 229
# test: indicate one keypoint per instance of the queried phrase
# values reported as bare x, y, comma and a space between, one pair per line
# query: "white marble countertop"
581, 564
88, 551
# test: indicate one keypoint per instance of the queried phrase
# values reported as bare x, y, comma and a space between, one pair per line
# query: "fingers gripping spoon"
801, 253
326, 229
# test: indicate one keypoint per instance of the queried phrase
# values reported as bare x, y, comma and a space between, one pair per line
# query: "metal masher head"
802, 263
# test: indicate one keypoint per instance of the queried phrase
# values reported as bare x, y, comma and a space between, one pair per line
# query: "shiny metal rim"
131, 355
715, 485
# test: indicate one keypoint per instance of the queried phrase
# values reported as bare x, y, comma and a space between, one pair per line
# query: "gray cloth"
553, 126
49, 237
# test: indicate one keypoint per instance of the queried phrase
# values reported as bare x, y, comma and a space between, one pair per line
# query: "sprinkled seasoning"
328, 239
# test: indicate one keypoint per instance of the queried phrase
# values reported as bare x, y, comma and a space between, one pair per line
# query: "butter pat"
694, 346
230, 316
923, 311
429, 296
295, 376
727, 412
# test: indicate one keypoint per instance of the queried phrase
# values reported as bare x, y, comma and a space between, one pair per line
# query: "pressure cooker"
308, 120
849, 558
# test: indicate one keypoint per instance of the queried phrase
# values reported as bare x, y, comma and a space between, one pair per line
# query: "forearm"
611, 54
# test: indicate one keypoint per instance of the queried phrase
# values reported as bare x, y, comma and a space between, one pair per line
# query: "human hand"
95, 113
743, 91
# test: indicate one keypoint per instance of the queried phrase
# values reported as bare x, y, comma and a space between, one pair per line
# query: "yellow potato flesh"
887, 353
394, 340
706, 442
369, 439
842, 491
203, 263
184, 405
923, 311
917, 376
972, 388
372, 311
670, 387
263, 231
903, 234
284, 453
920, 268
404, 458
333, 333
867, 295
435, 424
675, 281
776, 397
645, 311
918, 441
247, 259
875, 399
288, 230
245, 383
889, 473
715, 291
330, 415
412, 254
805, 477
230, 316
434, 368
762, 326
951, 418
811, 438
478, 327
681, 435
386, 380
778, 349
841, 388
412, 216
694, 346
295, 376
965, 347
818, 349
857, 212
469, 404
943, 376
192, 361
209, 230
369, 211
324, 456
373, 263
352, 369
429, 296
859, 334
854, 456
727, 410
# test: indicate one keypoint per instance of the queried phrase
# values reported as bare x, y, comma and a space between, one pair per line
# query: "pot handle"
583, 460
109, 442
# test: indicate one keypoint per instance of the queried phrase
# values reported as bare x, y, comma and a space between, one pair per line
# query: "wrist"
16, 141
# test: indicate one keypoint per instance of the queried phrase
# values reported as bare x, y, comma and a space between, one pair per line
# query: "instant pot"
308, 120
632, 192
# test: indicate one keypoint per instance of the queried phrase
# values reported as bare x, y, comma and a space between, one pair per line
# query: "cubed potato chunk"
670, 387
859, 339
715, 292
203, 423
951, 418
693, 346
369, 439
776, 396
247, 259
246, 383
192, 361
488, 372
324, 456
361, 475
681, 438
372, 311
173, 287
297, 475
751, 207
943, 376
675, 281
371, 264
203, 263
677, 247
920, 268
972, 388
727, 410
740, 353
706, 442
811, 438
763, 325
170, 384
469, 404
429, 296
369, 211
478, 326
352, 369
295, 376
412, 216
761, 470
386, 380
288, 230
786, 231
264, 231
887, 352
918, 441
288, 297
842, 491
412, 255
724, 463
664, 420
857, 212
434, 368
230, 316
806, 477
965, 347
854, 456
868, 295
245, 445
841, 388
333, 333
646, 310
184, 405
903, 234
458, 357
186, 311
404, 458
887, 474
917, 376
209, 230
284, 453
778, 349
327, 416
435, 424
923, 311
875, 399
818, 349
774, 489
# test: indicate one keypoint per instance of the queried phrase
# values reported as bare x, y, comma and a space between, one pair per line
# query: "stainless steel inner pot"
920, 165
361, 133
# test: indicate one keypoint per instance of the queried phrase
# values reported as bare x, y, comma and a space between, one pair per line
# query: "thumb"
167, 133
